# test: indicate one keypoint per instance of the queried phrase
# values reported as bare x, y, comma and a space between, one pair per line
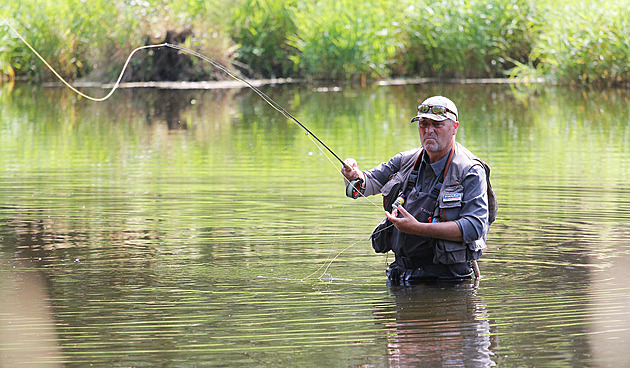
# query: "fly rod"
259, 92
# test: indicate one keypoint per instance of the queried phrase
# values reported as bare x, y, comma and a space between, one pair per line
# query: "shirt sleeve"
378, 176
473, 221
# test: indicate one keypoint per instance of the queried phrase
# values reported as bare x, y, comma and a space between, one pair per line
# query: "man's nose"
429, 128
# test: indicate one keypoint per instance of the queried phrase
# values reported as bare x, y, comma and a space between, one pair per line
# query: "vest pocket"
382, 236
450, 252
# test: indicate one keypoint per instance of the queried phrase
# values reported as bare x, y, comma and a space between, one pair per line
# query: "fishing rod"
353, 187
260, 93
352, 190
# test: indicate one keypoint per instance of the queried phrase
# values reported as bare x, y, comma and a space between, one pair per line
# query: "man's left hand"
407, 223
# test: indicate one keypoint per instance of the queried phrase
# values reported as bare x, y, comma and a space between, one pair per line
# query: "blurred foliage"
467, 39
582, 43
93, 39
570, 42
345, 39
261, 28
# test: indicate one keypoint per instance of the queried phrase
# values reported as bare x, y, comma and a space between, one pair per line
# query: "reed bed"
568, 41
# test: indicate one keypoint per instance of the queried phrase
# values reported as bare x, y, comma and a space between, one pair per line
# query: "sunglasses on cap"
438, 110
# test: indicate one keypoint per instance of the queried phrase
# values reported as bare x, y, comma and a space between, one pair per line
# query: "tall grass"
568, 41
93, 38
346, 39
467, 38
582, 43
261, 28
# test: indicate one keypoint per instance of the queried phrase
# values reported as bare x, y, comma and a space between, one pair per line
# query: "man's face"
437, 136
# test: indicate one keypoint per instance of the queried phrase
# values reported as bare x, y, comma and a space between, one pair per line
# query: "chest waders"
414, 251
382, 235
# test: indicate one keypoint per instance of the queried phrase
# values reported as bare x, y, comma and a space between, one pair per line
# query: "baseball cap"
437, 108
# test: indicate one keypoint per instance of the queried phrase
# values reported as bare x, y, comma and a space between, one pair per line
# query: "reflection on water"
195, 228
439, 326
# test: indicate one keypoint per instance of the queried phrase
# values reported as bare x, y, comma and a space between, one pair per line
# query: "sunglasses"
438, 110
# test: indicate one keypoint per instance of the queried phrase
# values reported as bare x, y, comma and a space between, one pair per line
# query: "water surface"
202, 228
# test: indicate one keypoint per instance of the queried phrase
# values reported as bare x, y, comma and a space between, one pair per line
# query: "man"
439, 230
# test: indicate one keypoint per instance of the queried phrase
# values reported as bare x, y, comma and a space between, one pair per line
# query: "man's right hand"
354, 172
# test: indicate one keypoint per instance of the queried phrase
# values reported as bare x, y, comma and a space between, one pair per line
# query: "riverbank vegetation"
571, 42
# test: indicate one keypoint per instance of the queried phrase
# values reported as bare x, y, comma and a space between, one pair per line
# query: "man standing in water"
439, 231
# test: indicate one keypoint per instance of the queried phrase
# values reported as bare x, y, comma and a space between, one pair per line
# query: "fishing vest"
445, 204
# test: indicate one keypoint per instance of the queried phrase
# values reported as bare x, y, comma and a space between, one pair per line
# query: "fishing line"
335, 257
116, 85
267, 99
318, 142
328, 263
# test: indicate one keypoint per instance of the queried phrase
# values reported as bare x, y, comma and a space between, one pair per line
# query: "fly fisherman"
439, 197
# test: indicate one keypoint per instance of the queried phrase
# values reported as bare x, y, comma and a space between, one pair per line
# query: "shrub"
79, 38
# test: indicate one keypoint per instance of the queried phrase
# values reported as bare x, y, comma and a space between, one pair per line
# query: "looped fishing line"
217, 65
267, 99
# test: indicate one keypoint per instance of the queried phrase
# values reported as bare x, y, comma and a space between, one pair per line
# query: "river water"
186, 228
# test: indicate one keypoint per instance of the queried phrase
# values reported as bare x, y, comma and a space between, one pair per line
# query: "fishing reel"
353, 189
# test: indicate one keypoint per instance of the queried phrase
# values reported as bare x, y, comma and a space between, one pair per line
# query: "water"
202, 228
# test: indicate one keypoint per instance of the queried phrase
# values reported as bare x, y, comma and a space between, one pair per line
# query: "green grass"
468, 39
346, 39
570, 42
261, 29
583, 43
93, 38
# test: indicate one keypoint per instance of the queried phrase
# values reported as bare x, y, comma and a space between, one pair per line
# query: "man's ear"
455, 125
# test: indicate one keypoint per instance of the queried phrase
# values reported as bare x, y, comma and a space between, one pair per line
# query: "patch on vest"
452, 197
